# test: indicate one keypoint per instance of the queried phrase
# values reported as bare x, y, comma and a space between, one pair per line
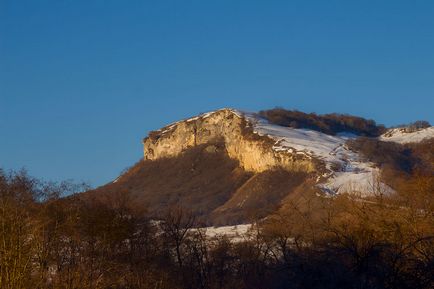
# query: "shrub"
395, 155
417, 125
328, 123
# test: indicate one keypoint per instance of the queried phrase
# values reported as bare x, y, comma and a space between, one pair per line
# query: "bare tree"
176, 224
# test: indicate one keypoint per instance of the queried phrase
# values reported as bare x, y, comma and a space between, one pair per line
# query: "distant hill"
231, 167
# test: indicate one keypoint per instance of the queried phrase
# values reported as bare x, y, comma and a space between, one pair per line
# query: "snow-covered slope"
399, 135
346, 171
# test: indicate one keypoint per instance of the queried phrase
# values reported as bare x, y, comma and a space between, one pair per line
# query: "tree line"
331, 123
49, 241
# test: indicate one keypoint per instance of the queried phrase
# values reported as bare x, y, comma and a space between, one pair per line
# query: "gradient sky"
82, 82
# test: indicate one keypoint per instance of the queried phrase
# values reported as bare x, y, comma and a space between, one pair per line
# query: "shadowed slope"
201, 179
206, 181
260, 196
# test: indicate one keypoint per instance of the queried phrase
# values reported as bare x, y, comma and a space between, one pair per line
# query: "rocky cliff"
229, 167
231, 129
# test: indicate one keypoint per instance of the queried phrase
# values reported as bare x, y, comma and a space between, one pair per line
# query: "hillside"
231, 167
206, 181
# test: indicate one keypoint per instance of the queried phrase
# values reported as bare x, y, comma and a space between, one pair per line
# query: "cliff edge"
229, 128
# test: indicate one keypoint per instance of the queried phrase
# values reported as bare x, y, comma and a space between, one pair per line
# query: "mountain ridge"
229, 166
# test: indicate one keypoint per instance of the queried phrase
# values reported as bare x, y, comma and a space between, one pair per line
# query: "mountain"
230, 167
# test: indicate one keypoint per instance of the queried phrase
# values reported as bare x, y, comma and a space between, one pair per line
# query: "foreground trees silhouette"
341, 242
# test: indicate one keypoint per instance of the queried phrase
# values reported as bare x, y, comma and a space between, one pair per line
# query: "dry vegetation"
108, 238
198, 180
210, 184
400, 164
328, 123
342, 242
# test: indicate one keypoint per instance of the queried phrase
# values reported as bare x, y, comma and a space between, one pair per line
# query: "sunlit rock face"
228, 128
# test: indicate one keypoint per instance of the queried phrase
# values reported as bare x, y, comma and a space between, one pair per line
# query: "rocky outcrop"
231, 129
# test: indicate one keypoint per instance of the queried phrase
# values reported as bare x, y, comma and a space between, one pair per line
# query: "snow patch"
235, 233
399, 135
362, 182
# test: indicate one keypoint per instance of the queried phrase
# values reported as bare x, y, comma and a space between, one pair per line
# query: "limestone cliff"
232, 129
228, 167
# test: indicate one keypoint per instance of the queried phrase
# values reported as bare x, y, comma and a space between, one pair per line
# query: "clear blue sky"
82, 82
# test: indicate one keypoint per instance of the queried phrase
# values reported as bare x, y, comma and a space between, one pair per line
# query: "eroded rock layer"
230, 128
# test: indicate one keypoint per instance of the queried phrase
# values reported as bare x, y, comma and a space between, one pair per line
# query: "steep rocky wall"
253, 152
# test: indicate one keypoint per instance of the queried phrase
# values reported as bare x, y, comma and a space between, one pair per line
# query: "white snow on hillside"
399, 135
311, 142
364, 182
354, 176
235, 233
